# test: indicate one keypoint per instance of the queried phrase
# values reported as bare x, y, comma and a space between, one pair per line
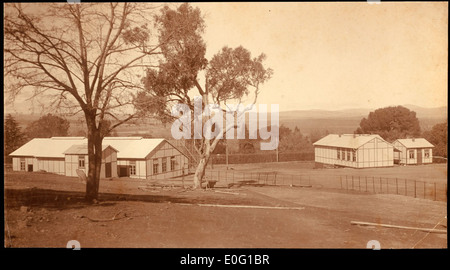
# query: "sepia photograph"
231, 125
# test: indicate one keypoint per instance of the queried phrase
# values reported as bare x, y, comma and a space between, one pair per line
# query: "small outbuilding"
354, 150
413, 151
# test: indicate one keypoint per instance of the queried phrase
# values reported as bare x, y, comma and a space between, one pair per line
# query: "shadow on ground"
56, 199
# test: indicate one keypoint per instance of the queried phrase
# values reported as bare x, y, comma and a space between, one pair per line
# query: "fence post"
340, 178
359, 183
434, 190
406, 188
424, 189
381, 186
292, 180
373, 184
366, 183
346, 183
352, 182
445, 190
396, 185
415, 188
182, 180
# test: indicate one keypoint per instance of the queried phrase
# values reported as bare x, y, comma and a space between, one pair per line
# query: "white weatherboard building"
354, 150
413, 151
76, 158
133, 157
44, 154
147, 158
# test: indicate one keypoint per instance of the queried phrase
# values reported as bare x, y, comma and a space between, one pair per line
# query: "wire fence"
400, 186
262, 157
425, 189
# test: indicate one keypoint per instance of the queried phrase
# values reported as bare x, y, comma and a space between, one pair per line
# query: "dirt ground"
46, 210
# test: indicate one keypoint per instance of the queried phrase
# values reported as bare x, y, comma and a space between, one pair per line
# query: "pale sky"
339, 55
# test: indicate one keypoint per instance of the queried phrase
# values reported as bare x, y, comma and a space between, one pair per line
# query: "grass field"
425, 181
46, 210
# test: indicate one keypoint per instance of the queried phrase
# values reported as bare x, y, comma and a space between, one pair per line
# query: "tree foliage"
391, 123
48, 126
231, 74
294, 141
438, 136
84, 58
13, 136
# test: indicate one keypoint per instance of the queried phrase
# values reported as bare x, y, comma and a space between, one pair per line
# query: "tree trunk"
200, 172
94, 159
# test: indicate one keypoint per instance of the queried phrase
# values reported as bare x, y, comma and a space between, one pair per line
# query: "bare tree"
86, 57
230, 76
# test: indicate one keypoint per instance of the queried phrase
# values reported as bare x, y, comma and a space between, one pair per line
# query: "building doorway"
419, 156
108, 171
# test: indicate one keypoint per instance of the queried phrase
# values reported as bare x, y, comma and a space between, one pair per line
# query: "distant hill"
439, 112
308, 121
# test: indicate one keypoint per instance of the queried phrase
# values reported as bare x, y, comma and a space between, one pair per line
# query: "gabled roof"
57, 147
353, 141
415, 143
48, 147
81, 149
133, 147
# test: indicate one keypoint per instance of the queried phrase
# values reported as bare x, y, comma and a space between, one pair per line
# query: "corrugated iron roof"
133, 148
415, 143
353, 141
47, 147
81, 149
127, 147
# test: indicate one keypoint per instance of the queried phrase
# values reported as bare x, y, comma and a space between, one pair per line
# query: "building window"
338, 153
354, 155
132, 167
22, 164
411, 154
81, 162
426, 153
172, 163
348, 155
155, 166
164, 164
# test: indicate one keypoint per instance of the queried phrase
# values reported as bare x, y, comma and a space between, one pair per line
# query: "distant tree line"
398, 122
289, 141
46, 126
